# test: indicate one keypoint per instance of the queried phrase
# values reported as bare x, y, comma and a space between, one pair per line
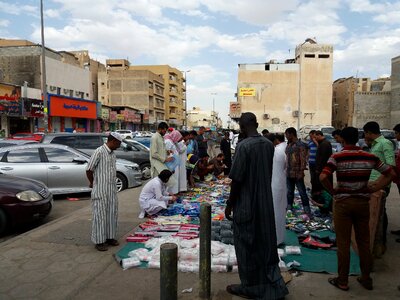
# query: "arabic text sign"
247, 92
65, 107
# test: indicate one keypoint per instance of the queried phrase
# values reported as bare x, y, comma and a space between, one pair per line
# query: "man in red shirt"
351, 203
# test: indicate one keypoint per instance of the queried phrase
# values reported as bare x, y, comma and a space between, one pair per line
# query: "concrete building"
174, 92
121, 85
295, 93
357, 101
68, 85
395, 97
207, 118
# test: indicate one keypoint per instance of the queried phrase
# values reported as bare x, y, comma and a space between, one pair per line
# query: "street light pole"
213, 109
186, 114
44, 87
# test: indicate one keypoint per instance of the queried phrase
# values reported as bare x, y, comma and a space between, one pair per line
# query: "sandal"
335, 283
101, 247
112, 242
236, 289
367, 284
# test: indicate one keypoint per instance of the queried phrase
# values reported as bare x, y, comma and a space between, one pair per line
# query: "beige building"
395, 97
207, 118
121, 85
357, 101
295, 93
174, 92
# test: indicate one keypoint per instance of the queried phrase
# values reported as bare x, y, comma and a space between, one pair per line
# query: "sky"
211, 37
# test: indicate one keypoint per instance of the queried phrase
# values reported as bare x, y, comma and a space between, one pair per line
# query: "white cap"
117, 136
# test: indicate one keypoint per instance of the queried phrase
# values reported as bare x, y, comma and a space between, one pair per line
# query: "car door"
65, 173
24, 162
89, 143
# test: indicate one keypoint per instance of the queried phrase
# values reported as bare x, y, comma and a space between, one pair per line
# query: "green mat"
318, 261
123, 252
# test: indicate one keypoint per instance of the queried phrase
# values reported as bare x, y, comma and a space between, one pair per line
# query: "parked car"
143, 140
127, 134
11, 142
305, 130
37, 136
88, 142
60, 167
22, 200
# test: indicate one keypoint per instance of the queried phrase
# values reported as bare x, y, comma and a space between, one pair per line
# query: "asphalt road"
63, 205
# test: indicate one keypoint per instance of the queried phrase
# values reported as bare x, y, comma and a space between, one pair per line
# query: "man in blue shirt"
313, 146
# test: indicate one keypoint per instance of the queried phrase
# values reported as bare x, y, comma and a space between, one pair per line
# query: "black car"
22, 200
88, 142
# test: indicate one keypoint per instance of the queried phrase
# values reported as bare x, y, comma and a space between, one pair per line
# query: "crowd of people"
264, 172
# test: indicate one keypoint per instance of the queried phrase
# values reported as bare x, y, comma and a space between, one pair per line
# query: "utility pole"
186, 114
213, 109
44, 86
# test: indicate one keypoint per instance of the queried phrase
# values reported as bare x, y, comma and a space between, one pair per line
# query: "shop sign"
67, 107
235, 110
105, 114
113, 116
10, 99
247, 92
136, 118
120, 117
33, 108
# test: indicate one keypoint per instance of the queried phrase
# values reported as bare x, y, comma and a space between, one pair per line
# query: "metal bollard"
205, 251
169, 271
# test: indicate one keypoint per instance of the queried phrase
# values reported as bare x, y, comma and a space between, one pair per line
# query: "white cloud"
248, 45
18, 9
4, 23
365, 6
51, 13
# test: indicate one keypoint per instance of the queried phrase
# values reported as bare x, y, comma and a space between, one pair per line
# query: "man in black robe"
226, 150
253, 216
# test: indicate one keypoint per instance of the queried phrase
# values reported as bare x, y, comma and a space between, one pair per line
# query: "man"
279, 189
312, 146
201, 142
102, 173
336, 135
253, 216
226, 150
351, 209
397, 179
297, 156
383, 149
265, 133
158, 152
324, 151
154, 196
218, 164
192, 147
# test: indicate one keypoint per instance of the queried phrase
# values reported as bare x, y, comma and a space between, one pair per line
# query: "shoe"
112, 242
101, 247
335, 283
395, 232
367, 284
378, 251
236, 289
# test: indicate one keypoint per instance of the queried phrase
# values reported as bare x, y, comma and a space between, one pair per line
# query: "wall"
395, 98
372, 106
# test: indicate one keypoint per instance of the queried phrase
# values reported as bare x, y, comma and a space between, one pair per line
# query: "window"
323, 55
309, 55
64, 140
89, 142
24, 156
59, 155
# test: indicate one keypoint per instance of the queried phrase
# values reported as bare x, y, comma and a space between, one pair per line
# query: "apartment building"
174, 92
294, 93
357, 101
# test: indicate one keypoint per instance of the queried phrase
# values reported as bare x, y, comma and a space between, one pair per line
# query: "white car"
126, 134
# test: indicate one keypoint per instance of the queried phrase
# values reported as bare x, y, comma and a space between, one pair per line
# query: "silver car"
61, 168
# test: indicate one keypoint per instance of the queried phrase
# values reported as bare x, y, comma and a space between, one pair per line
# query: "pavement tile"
16, 253
32, 276
90, 257
59, 256
10, 272
34, 264
57, 292
6, 285
27, 290
60, 266
63, 278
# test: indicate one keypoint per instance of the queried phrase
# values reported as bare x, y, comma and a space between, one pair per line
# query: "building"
141, 91
295, 93
70, 100
395, 96
174, 92
207, 118
357, 101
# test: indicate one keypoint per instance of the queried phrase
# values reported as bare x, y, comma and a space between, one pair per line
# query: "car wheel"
3, 222
129, 137
121, 182
145, 170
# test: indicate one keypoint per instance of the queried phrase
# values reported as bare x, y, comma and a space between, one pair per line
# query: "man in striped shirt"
102, 172
312, 153
351, 208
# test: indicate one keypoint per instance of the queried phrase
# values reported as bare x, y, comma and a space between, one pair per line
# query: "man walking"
102, 173
351, 209
253, 216
382, 148
297, 155
158, 152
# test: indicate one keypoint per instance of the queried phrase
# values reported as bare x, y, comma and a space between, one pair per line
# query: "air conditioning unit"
295, 113
266, 116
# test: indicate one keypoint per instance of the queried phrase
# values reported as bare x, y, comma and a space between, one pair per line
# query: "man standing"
397, 179
253, 216
324, 151
201, 142
312, 146
336, 135
351, 209
158, 152
297, 155
383, 149
265, 133
102, 173
226, 150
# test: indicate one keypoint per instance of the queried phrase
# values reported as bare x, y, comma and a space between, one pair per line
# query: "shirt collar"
379, 138
108, 149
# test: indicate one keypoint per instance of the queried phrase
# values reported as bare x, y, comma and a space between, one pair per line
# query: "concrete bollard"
205, 251
169, 271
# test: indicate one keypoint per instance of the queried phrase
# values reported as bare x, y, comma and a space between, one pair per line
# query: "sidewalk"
58, 261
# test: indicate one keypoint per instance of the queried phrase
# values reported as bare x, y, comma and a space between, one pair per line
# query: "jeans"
291, 183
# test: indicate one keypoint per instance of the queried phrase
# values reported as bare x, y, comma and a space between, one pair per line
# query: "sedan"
37, 136
61, 168
22, 200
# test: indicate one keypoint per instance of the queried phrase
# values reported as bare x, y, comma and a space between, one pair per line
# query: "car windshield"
137, 145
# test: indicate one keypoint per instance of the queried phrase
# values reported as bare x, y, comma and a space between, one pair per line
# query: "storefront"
12, 120
69, 114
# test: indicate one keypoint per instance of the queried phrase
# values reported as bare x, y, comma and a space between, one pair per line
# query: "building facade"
295, 93
207, 118
395, 96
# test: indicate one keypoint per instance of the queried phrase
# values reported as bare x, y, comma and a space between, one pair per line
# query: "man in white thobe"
154, 196
279, 185
158, 152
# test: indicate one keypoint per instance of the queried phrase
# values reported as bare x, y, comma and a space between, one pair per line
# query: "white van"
305, 130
